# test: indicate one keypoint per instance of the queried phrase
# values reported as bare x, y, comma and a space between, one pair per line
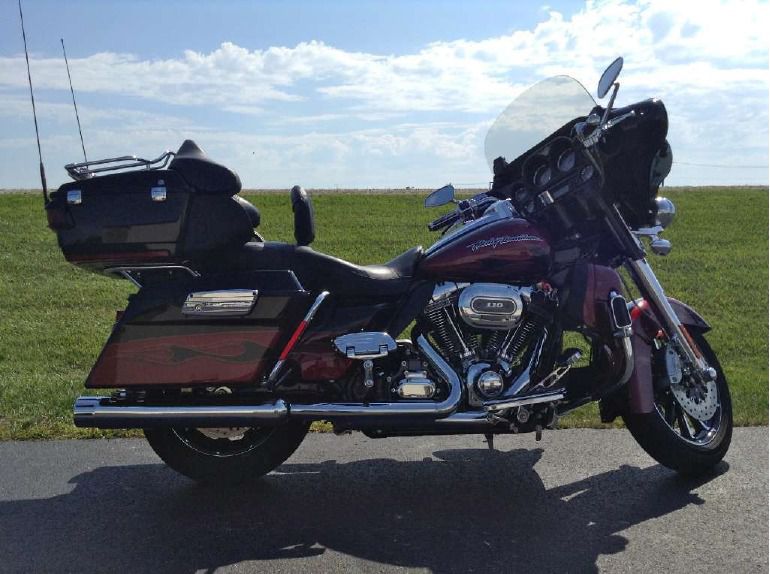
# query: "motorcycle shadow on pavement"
463, 510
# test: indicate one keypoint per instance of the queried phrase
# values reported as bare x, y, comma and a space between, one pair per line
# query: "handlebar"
444, 221
467, 210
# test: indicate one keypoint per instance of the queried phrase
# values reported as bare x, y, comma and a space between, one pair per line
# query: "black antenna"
77, 117
34, 112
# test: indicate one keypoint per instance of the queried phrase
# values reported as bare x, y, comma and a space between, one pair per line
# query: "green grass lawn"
54, 318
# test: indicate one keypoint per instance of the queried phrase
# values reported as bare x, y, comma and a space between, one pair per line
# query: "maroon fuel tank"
510, 250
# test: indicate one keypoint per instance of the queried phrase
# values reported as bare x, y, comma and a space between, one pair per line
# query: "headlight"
666, 212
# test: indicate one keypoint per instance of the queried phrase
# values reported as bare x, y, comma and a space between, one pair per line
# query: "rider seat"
318, 271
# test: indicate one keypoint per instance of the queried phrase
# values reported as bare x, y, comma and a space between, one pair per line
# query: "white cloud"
707, 60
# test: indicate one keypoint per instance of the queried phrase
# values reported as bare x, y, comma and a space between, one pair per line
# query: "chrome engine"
484, 331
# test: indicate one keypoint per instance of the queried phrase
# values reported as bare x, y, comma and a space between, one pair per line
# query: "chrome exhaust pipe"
98, 412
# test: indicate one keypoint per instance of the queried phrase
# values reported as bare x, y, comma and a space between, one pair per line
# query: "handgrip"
443, 221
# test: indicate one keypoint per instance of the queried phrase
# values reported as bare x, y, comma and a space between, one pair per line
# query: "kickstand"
490, 440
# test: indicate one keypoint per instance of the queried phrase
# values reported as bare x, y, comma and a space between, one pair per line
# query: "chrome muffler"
98, 412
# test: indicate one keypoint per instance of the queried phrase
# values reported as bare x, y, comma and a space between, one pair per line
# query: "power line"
721, 166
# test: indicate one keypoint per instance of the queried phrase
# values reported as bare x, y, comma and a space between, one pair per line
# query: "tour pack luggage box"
151, 216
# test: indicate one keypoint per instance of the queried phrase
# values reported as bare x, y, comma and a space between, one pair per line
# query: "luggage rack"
85, 169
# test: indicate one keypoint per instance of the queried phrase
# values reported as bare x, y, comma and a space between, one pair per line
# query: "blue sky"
370, 94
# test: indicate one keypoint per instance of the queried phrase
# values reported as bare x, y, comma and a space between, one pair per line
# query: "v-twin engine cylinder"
482, 329
472, 320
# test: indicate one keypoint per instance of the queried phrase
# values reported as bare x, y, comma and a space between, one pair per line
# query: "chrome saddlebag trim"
220, 303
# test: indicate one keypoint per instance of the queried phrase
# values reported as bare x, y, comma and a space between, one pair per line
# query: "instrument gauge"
520, 195
566, 160
542, 176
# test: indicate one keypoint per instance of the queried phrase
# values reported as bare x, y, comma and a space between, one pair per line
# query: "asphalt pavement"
578, 501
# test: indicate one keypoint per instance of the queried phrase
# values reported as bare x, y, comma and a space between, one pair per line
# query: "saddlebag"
219, 329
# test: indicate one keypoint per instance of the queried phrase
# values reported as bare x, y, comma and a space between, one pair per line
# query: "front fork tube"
653, 291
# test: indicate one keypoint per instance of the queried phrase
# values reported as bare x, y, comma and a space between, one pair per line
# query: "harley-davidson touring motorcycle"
233, 345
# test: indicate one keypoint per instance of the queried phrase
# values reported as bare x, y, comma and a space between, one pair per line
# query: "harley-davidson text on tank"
510, 250
495, 242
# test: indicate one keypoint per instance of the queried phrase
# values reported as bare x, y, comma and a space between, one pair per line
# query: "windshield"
534, 115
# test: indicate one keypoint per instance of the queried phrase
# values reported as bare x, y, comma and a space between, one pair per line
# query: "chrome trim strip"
314, 307
221, 303
273, 376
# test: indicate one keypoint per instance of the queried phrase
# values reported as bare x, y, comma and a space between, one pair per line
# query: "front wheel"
692, 424
226, 455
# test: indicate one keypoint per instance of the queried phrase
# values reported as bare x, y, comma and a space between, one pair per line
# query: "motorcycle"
233, 345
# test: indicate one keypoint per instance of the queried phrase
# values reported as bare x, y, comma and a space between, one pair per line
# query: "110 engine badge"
492, 305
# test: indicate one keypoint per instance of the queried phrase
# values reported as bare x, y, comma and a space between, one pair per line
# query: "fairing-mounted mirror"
441, 196
609, 76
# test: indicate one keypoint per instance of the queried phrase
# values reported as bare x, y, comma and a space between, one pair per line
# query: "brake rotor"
698, 399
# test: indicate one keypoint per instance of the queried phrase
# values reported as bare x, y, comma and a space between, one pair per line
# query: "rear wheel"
226, 455
691, 427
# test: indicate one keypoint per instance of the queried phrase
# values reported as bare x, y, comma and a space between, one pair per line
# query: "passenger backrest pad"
202, 173
304, 218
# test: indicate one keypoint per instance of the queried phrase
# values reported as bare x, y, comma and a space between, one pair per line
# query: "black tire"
665, 442
226, 460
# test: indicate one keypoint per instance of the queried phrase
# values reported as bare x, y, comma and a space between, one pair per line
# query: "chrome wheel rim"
691, 409
223, 442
